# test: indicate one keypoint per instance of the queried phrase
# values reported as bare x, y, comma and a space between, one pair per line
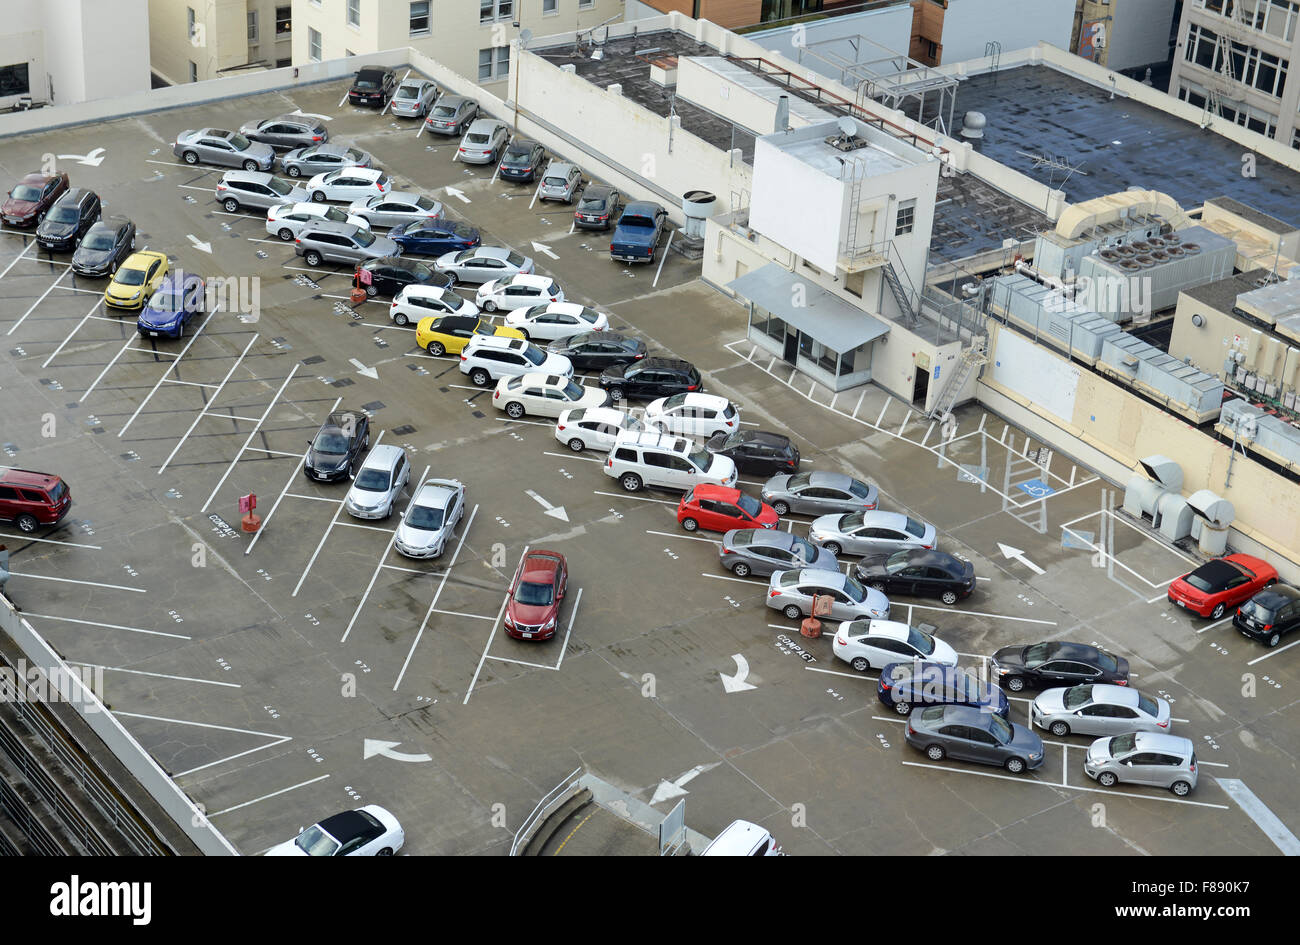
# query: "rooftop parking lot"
308, 668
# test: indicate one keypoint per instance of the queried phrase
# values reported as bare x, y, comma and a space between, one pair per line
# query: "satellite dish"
525, 36
848, 127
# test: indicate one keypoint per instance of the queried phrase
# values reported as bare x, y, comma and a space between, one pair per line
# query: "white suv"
692, 415
669, 462
489, 358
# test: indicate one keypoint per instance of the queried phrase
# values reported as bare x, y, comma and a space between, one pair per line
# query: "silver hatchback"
1099, 709
241, 190
1167, 761
378, 483
746, 551
341, 242
560, 182
414, 98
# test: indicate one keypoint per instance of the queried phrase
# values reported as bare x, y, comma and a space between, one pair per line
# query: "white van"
650, 458
742, 838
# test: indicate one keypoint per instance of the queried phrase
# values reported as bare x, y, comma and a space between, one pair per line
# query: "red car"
533, 609
719, 509
1222, 583
31, 197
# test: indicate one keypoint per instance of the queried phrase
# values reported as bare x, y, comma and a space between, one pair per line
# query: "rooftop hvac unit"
1156, 476
1141, 246
1174, 515
1145, 261
1213, 516
698, 206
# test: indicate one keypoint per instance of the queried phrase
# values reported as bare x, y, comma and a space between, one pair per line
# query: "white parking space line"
141, 672
1213, 764
50, 541
202, 413
155, 352
507, 659
266, 797
723, 577
482, 659
252, 433
26, 247
1264, 818
262, 449
398, 567
1273, 652
1211, 626
369, 528
457, 613
63, 580
531, 423
571, 455
334, 520
15, 325
293, 475
194, 187
679, 535
109, 626
569, 630
624, 495
836, 672
328, 272
279, 739
409, 354
980, 613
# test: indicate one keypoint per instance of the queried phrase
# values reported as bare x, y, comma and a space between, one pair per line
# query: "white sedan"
544, 395
692, 415
288, 219
556, 320
873, 644
349, 183
366, 831
518, 291
396, 207
870, 533
415, 302
594, 428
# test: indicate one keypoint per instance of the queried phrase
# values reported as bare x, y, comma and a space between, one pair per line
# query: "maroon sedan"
31, 197
1220, 584
533, 610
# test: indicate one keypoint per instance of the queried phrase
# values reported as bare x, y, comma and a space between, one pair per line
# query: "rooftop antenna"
1053, 164
848, 127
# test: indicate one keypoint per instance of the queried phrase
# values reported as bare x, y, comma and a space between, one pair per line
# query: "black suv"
372, 86
753, 451
522, 160
68, 220
342, 438
650, 378
598, 208
391, 274
1270, 614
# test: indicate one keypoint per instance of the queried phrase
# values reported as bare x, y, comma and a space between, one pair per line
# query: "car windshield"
363, 83
424, 203
676, 400
363, 237
1106, 661
424, 516
915, 528
858, 489
798, 482
239, 142
373, 480
316, 842
1077, 696
1148, 705
852, 520
336, 215
1253, 608
806, 550
130, 277
169, 299
592, 203
538, 595
857, 593
517, 154
573, 390
556, 181
444, 111
332, 442
1122, 744
1037, 653
279, 186
476, 137
462, 230
63, 215
514, 259
920, 641
897, 562
24, 192
408, 91
99, 240
354, 156
749, 505
1000, 728
700, 457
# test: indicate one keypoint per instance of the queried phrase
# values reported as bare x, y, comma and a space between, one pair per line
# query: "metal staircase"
904, 295
971, 359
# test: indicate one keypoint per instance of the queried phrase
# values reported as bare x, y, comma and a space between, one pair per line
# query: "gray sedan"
746, 551
451, 115
870, 533
483, 264
484, 142
1098, 709
971, 734
396, 208
414, 98
286, 131
817, 493
308, 162
792, 593
429, 522
223, 148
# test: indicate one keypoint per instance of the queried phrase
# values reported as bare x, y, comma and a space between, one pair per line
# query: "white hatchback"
518, 291
556, 320
594, 428
874, 644
415, 302
349, 184
693, 415
544, 395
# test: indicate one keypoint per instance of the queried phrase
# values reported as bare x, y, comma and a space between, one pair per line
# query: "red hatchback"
719, 509
533, 609
1220, 584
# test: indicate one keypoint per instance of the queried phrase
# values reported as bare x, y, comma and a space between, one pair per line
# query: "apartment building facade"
193, 40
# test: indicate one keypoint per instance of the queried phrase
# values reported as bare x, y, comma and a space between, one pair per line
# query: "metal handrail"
538, 813
30, 825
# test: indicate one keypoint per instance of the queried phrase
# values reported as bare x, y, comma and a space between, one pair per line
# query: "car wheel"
833, 547
180, 330
1107, 779
386, 851
948, 597
372, 290
318, 196
293, 171
27, 523
230, 204
740, 569
781, 508
1181, 788
1217, 612
877, 586
690, 524
250, 165
793, 611
436, 349
285, 234
1015, 765
400, 320
616, 394
577, 445
903, 708
190, 157
514, 410
631, 482
860, 664
489, 306
112, 267
524, 332
480, 377
1274, 639
312, 257
1060, 729
365, 444
936, 753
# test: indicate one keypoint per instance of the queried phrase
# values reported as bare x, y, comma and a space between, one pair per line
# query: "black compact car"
69, 220
597, 350
918, 573
373, 86
341, 440
650, 378
598, 208
391, 274
522, 160
1056, 663
104, 247
754, 451
1269, 615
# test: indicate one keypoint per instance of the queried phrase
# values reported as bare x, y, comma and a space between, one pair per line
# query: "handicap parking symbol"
1035, 488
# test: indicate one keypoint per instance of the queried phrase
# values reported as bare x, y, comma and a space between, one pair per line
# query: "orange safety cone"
250, 522
811, 628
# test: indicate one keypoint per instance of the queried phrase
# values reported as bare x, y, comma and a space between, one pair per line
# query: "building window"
189, 22
1295, 137
348, 54
846, 362
354, 13
806, 343
282, 63
283, 21
13, 80
493, 63
906, 217
252, 27
826, 359
550, 6
586, 4
773, 327
1249, 65
489, 10
313, 45
194, 72
1277, 18
420, 18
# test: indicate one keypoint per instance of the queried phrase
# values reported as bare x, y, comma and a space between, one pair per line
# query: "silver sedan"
396, 208
792, 593
483, 264
1097, 709
429, 522
746, 551
817, 493
308, 162
870, 533
223, 148
414, 98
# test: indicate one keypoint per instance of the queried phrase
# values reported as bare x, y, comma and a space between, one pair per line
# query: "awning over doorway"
824, 316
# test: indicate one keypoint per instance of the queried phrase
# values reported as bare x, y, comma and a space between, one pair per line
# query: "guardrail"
30, 825
554, 798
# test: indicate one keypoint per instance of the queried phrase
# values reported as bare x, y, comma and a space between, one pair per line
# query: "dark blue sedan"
172, 306
903, 686
434, 237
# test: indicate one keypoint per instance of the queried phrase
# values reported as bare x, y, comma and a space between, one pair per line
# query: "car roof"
329, 226
341, 418
822, 576
1158, 741
382, 456
1065, 650
214, 133
560, 167
1218, 571
141, 259
526, 278
605, 415
541, 562
257, 177
768, 537
495, 341
452, 99
333, 147
489, 252
519, 141
1115, 695
294, 120
482, 125
882, 519
568, 308
642, 208
346, 826
888, 629
966, 714
653, 438
438, 491
26, 477
675, 364
709, 490
696, 399
738, 838
421, 290
597, 191
75, 195
373, 70
35, 179
824, 478
1277, 594
762, 436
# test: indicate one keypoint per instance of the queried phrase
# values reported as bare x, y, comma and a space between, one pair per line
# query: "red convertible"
1217, 585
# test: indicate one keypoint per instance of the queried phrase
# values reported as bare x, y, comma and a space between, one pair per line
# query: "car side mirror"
1128, 762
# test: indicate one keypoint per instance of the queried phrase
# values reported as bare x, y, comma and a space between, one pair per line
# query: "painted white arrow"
1015, 554
667, 790
363, 370
544, 249
374, 746
202, 247
453, 192
299, 111
737, 682
94, 158
554, 511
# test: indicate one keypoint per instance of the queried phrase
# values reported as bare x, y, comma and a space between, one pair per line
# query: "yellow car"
449, 334
136, 279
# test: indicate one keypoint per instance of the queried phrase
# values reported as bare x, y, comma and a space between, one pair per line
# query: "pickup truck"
638, 232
